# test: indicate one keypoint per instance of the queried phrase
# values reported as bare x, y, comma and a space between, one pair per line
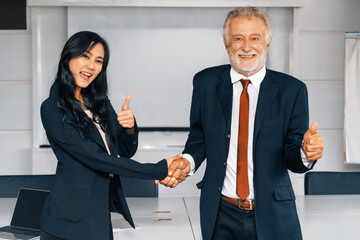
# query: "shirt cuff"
192, 163
307, 163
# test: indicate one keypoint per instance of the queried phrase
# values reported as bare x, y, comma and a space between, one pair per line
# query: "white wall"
317, 59
319, 62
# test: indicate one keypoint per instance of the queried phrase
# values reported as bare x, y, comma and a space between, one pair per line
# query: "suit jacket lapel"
113, 144
225, 94
97, 137
268, 91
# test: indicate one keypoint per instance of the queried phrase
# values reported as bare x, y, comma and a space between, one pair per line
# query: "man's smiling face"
248, 44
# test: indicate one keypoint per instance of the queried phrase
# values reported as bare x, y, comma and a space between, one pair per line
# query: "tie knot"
245, 83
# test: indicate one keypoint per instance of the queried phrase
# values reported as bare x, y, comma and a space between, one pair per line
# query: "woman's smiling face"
87, 66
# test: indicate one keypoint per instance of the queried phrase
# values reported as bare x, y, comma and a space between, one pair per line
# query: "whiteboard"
352, 100
155, 52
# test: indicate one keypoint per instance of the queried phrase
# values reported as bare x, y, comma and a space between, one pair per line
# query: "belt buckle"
250, 208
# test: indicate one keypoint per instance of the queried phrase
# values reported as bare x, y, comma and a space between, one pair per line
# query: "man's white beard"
247, 70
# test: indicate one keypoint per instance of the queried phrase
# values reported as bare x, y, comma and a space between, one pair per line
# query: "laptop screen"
28, 208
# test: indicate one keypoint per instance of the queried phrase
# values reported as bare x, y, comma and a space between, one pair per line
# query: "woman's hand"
178, 169
125, 117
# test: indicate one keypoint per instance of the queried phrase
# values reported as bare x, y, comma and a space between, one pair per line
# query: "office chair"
322, 183
133, 187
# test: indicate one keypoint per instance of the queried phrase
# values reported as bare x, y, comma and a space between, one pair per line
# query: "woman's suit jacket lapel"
98, 139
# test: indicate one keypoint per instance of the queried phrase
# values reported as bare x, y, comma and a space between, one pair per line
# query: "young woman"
92, 143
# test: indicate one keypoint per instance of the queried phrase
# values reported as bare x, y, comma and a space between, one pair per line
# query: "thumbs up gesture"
313, 143
125, 116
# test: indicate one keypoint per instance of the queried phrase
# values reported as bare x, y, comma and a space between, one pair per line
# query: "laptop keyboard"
10, 229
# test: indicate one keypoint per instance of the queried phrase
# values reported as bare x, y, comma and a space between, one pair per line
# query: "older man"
251, 124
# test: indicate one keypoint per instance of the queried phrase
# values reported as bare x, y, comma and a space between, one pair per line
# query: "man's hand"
125, 116
178, 169
313, 143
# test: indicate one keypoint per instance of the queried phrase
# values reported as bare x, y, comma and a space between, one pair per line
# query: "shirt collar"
255, 79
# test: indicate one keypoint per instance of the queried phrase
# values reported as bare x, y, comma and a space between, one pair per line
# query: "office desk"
329, 216
155, 218
322, 217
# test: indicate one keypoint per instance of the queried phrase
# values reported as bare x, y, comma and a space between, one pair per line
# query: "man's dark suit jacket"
78, 207
281, 120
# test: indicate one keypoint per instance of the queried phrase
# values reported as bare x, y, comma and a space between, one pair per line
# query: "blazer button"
219, 189
225, 164
134, 142
228, 136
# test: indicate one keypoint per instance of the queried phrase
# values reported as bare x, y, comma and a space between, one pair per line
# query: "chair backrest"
133, 187
322, 183
10, 184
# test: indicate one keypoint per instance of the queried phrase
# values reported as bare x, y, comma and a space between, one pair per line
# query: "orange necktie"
242, 181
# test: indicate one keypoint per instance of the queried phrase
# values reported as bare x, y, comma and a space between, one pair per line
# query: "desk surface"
329, 217
322, 217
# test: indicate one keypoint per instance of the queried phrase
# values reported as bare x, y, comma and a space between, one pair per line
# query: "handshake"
178, 169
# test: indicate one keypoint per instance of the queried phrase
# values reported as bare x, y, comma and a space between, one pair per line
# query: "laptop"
26, 217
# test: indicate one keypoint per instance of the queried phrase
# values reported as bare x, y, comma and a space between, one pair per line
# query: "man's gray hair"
249, 12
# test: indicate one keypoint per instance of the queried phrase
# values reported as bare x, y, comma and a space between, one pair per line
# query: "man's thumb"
125, 106
313, 128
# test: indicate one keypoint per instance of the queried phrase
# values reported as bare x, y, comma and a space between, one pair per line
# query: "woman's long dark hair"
94, 96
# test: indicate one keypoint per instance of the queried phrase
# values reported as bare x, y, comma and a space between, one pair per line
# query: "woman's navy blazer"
78, 207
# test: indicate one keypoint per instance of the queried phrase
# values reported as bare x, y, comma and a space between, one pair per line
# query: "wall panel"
16, 106
155, 53
15, 152
325, 15
326, 103
15, 49
322, 55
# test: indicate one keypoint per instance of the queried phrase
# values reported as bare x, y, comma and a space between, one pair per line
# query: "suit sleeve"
195, 144
298, 125
66, 141
127, 143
